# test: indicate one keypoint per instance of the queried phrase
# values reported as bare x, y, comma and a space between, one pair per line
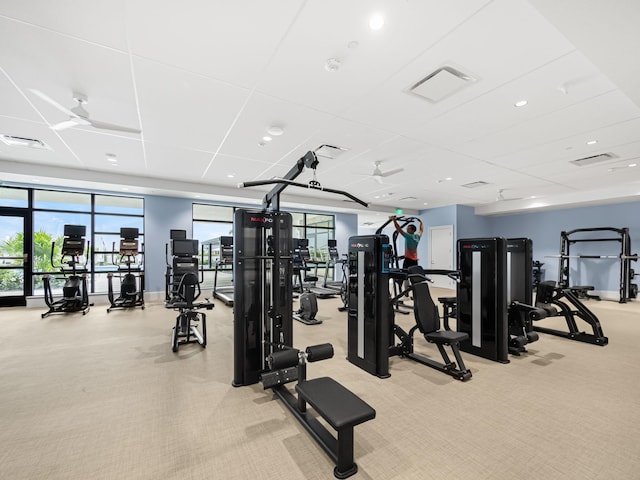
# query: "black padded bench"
343, 410
581, 291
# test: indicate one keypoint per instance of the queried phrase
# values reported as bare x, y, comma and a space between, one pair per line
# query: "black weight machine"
494, 297
521, 313
75, 296
130, 272
564, 302
371, 325
263, 323
183, 289
628, 290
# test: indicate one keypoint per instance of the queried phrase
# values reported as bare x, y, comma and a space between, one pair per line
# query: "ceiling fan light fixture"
275, 131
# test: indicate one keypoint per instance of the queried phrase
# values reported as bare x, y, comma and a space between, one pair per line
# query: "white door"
441, 254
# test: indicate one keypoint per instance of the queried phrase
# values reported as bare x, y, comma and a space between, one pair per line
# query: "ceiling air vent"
581, 162
440, 84
477, 184
14, 141
329, 151
408, 199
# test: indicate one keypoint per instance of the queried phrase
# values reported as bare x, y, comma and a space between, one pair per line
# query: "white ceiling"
203, 79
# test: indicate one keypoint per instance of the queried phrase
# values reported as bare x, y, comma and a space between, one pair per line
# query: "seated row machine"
341, 408
563, 302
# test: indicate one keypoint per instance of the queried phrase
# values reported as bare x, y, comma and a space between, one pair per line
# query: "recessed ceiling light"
111, 157
266, 138
592, 142
275, 131
125, 189
426, 203
448, 178
520, 103
376, 22
231, 175
633, 164
332, 65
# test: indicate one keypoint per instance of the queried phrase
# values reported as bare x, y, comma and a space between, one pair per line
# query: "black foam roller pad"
319, 352
283, 359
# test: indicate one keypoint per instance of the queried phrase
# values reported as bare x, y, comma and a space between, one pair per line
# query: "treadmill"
303, 258
224, 263
334, 259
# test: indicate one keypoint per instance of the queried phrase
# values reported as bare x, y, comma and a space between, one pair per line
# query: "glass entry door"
15, 265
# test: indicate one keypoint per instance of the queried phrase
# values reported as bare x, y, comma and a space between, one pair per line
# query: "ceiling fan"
378, 174
78, 115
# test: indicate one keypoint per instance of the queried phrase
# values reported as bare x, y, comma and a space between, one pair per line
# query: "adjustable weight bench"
341, 408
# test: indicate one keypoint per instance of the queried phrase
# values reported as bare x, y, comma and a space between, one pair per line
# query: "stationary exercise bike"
131, 285
186, 327
75, 297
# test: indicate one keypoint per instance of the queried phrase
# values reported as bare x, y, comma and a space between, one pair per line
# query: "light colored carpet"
102, 396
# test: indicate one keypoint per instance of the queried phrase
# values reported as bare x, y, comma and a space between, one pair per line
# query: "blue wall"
163, 214
544, 230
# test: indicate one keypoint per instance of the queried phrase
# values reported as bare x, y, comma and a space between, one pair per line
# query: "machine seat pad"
583, 288
448, 300
446, 337
336, 404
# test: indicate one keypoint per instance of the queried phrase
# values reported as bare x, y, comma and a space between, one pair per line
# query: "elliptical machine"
308, 300
75, 297
131, 285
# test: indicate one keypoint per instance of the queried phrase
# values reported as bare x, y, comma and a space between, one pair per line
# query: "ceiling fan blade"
52, 102
378, 178
111, 126
64, 125
392, 172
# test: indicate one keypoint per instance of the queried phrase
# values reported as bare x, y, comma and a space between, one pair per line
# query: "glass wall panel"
48, 227
47, 199
14, 197
113, 223
297, 219
212, 212
315, 220
123, 205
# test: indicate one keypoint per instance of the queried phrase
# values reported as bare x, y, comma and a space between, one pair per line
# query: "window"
102, 215
14, 197
210, 222
52, 200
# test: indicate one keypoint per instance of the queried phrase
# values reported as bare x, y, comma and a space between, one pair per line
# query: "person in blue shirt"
411, 241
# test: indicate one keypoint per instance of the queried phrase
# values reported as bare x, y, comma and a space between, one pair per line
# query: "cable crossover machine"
263, 324
628, 290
